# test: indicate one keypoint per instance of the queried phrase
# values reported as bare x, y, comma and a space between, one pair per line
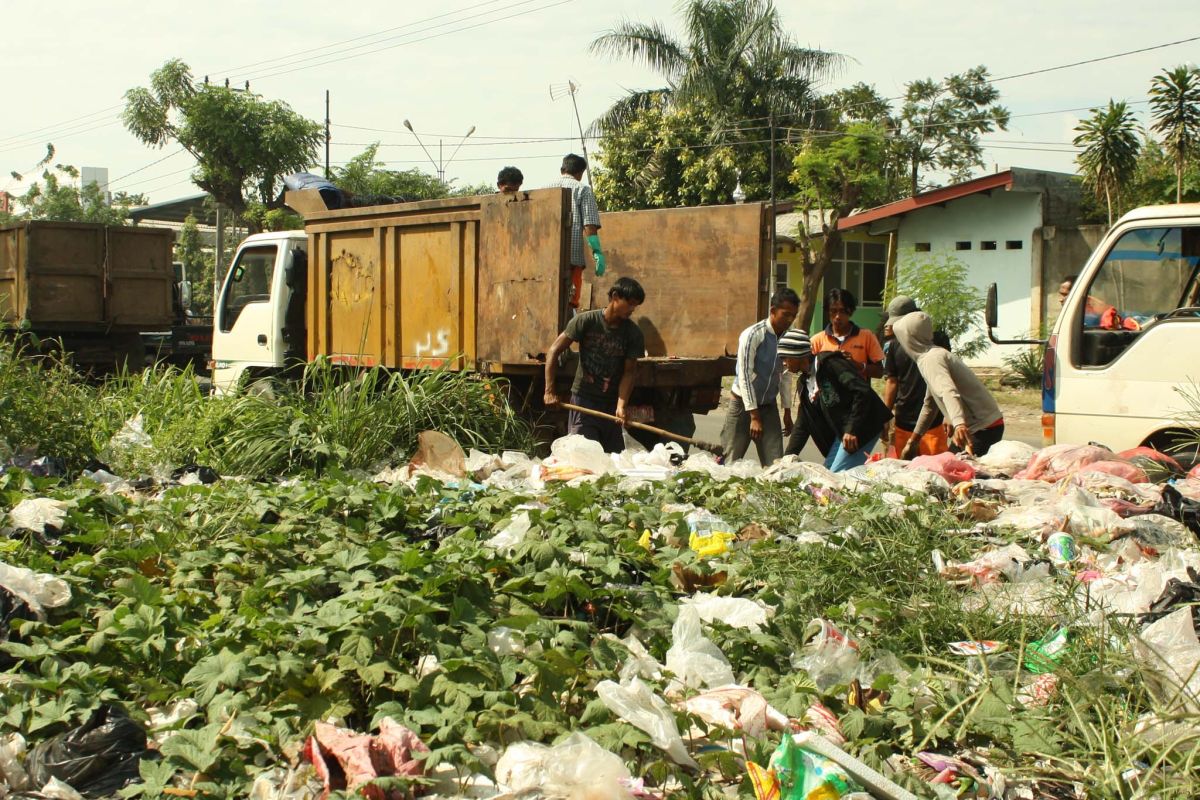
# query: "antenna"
559, 90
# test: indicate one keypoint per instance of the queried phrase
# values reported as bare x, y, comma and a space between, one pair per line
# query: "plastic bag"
438, 454
805, 775
736, 612
581, 453
637, 704
948, 465
1057, 461
694, 660
1176, 506
287, 783
576, 769
511, 535
1007, 456
12, 771
35, 513
640, 664
36, 590
737, 708
1170, 649
127, 444
96, 759
1121, 469
830, 658
395, 751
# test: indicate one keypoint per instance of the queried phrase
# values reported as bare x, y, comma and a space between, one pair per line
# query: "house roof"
1060, 188
176, 210
988, 183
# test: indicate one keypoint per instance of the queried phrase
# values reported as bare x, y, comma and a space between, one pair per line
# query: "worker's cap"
794, 344
901, 304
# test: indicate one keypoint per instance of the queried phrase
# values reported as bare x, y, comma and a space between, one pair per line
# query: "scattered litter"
576, 769
694, 660
38, 513
736, 612
345, 759
948, 465
97, 758
975, 648
36, 590
509, 536
830, 657
737, 708
636, 703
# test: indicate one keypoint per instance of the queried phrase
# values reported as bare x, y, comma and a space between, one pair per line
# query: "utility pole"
771, 122
327, 175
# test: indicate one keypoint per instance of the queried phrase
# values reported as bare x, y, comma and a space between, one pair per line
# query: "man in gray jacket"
953, 389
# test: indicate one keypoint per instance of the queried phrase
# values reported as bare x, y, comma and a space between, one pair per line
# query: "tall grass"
45, 409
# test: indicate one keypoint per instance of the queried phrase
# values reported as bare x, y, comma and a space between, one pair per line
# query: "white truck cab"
258, 324
1126, 346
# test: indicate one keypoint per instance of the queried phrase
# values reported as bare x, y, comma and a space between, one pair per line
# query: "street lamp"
439, 165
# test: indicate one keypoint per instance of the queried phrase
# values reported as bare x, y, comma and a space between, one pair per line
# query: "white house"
1019, 229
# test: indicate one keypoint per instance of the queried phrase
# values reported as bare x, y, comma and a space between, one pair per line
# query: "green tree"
938, 282
1155, 181
58, 196
736, 72
939, 124
1110, 151
242, 143
366, 176
834, 175
199, 264
1175, 109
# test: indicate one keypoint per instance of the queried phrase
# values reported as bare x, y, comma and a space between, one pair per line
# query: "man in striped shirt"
585, 222
753, 415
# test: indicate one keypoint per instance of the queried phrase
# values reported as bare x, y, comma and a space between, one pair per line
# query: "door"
245, 333
1133, 332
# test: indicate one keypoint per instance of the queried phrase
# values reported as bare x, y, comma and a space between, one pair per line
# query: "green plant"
938, 282
45, 409
1024, 367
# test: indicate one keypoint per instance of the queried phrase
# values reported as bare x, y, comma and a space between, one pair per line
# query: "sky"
500, 66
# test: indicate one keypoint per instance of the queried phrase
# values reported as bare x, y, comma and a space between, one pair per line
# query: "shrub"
45, 409
938, 282
1024, 367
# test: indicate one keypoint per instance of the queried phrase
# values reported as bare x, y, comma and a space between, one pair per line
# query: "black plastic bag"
96, 759
1176, 506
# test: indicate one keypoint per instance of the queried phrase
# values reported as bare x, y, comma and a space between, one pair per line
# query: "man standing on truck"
585, 222
509, 180
610, 345
753, 414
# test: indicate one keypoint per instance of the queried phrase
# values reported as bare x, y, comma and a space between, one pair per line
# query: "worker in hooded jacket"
952, 388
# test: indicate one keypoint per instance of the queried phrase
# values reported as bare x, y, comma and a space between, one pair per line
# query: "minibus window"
1147, 276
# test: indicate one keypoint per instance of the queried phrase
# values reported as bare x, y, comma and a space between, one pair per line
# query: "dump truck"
188, 342
480, 283
90, 288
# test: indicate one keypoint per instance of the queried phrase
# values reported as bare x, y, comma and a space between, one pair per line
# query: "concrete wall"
1064, 252
999, 217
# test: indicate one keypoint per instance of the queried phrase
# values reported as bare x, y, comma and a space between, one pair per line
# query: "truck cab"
258, 324
1120, 364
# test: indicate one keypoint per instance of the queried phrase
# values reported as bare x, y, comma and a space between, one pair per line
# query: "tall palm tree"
1175, 108
1110, 150
735, 60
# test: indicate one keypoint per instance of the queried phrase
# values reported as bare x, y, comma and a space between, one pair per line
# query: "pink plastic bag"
1053, 463
949, 466
1152, 454
1121, 469
363, 757
1194, 472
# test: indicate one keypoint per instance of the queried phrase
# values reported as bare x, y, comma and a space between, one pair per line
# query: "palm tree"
1175, 107
1110, 150
736, 62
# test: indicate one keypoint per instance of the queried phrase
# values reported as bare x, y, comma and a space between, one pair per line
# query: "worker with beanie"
839, 410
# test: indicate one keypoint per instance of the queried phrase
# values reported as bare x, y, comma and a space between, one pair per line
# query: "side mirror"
185, 295
990, 315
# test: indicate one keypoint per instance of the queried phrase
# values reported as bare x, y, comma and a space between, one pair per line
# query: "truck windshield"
1148, 275
249, 282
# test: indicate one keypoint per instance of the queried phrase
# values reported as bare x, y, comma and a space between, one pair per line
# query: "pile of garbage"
607, 626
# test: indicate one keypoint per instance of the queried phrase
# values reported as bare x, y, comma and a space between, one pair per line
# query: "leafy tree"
59, 197
366, 176
1155, 181
1110, 150
735, 70
242, 143
938, 282
199, 264
659, 159
940, 122
1175, 108
834, 175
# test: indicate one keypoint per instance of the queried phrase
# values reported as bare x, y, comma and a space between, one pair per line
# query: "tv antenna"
560, 90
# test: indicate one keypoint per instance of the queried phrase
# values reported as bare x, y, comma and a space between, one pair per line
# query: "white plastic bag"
694, 660
511, 535
37, 590
35, 513
576, 769
1169, 647
127, 443
737, 708
736, 612
640, 664
830, 658
1007, 457
637, 704
582, 453
13, 777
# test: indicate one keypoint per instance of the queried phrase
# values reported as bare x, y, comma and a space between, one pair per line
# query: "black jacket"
845, 403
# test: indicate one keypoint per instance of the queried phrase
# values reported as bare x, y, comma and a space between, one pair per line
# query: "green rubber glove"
594, 242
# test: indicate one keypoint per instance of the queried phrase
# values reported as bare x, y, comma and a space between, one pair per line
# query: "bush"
938, 282
1025, 367
45, 408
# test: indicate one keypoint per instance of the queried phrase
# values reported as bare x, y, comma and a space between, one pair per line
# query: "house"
1020, 229
860, 265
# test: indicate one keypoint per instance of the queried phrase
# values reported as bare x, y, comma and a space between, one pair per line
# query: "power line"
148, 166
55, 126
1092, 60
